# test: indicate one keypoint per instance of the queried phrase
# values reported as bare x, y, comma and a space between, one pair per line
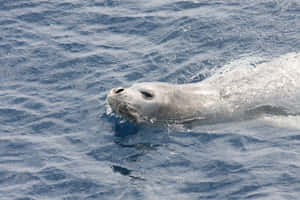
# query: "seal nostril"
119, 90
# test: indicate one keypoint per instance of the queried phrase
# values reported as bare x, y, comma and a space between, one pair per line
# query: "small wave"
286, 122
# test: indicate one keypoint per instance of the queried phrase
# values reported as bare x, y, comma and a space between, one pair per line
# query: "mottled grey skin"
168, 103
232, 94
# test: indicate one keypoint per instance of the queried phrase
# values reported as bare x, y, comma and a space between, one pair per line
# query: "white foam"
255, 81
287, 122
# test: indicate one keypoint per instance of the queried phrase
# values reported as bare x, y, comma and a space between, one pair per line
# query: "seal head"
158, 102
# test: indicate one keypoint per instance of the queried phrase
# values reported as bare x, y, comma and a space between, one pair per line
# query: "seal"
230, 94
157, 102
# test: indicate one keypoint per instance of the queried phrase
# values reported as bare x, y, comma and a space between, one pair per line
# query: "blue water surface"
59, 59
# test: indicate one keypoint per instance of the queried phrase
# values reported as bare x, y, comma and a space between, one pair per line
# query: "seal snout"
114, 97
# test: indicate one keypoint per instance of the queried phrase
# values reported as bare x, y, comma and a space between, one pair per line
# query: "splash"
286, 122
260, 82
265, 83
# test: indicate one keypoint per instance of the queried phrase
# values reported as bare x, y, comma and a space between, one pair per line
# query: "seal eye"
147, 95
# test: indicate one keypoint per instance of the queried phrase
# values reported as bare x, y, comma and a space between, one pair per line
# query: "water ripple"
58, 62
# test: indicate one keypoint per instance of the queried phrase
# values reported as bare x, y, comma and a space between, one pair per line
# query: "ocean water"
59, 59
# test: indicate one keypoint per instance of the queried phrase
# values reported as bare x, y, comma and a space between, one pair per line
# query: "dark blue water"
58, 60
